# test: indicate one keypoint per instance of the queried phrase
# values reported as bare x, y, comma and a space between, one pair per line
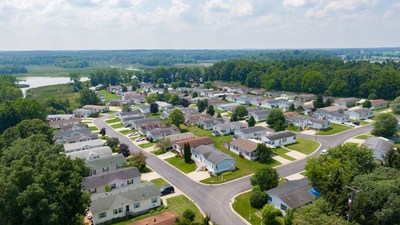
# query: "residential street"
215, 200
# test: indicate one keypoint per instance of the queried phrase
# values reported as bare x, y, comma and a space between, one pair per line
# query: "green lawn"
94, 128
115, 120
109, 96
118, 125
160, 182
159, 151
335, 128
53, 71
242, 206
362, 122
109, 112
177, 204
304, 146
381, 110
293, 128
157, 116
147, 145
363, 136
125, 131
244, 167
59, 91
180, 164
281, 152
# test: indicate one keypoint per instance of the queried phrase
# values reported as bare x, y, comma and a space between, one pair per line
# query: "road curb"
233, 210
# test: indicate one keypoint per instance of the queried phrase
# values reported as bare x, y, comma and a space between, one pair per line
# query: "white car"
324, 151
350, 124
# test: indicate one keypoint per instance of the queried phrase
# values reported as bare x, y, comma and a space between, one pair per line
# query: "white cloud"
294, 3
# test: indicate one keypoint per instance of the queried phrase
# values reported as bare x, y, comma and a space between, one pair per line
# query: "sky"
198, 24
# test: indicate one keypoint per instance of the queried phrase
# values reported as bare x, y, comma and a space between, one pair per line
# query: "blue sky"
197, 24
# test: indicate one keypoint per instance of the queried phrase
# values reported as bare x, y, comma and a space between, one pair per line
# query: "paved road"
215, 200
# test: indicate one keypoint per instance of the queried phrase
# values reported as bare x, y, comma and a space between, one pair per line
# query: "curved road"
215, 200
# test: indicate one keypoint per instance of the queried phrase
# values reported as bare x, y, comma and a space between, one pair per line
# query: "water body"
35, 82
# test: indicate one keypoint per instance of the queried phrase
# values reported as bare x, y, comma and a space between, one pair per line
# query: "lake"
35, 82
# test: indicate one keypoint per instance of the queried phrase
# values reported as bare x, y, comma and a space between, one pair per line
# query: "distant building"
380, 146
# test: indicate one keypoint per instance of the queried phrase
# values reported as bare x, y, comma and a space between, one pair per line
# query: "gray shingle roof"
211, 154
253, 129
86, 144
379, 143
280, 135
105, 178
293, 193
102, 162
69, 132
132, 193
104, 150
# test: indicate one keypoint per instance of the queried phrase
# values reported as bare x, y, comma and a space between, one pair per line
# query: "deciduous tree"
265, 177
385, 125
176, 117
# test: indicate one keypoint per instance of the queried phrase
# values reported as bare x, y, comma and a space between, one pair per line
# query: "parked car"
324, 151
140, 139
349, 124
167, 190
356, 123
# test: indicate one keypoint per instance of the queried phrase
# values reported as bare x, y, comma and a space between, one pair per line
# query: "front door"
127, 208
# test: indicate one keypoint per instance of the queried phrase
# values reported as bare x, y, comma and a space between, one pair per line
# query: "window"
154, 200
130, 181
102, 215
105, 169
269, 199
136, 205
120, 210
115, 211
283, 207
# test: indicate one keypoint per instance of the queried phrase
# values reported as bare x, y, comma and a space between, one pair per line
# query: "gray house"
290, 195
89, 154
158, 133
63, 136
380, 146
115, 179
243, 147
146, 121
102, 165
229, 127
279, 139
359, 114
260, 115
212, 159
129, 200
255, 132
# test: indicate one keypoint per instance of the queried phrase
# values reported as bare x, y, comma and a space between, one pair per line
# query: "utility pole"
351, 196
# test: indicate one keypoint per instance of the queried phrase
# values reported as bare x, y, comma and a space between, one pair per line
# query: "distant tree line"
71, 63
14, 69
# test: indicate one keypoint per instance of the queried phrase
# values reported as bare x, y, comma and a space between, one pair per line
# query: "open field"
108, 95
52, 71
59, 91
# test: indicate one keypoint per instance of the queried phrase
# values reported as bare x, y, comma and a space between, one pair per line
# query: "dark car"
167, 190
356, 123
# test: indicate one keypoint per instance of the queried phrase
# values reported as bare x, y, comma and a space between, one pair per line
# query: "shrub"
258, 199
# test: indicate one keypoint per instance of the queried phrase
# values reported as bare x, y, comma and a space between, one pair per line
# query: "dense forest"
12, 69
80, 59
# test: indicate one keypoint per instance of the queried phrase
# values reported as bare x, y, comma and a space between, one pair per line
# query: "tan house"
193, 143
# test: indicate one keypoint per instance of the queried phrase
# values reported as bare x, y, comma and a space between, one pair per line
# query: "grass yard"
363, 136
159, 152
59, 91
160, 182
242, 206
244, 166
118, 125
115, 120
157, 116
125, 132
335, 128
109, 112
293, 128
177, 204
281, 152
109, 96
180, 164
304, 146
94, 128
147, 145
381, 110
362, 122
133, 138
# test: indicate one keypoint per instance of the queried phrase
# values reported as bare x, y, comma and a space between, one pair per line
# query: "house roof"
261, 112
195, 142
105, 178
61, 122
245, 144
294, 193
180, 137
347, 100
378, 102
163, 131
104, 150
146, 120
94, 107
379, 143
61, 116
332, 108
69, 132
212, 154
280, 135
361, 110
78, 145
85, 137
132, 193
108, 161
253, 129
70, 126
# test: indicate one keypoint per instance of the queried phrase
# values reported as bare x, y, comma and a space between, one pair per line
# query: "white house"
380, 146
106, 164
279, 139
115, 179
229, 127
79, 146
158, 133
244, 148
332, 113
270, 104
85, 113
60, 117
89, 154
290, 195
260, 115
213, 159
129, 200
305, 122
359, 113
255, 132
